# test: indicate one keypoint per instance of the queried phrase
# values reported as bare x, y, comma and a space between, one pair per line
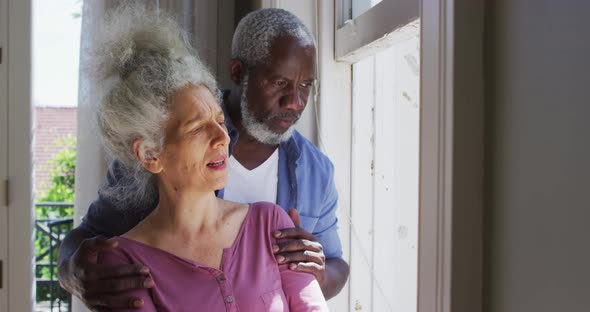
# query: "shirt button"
222, 277
229, 299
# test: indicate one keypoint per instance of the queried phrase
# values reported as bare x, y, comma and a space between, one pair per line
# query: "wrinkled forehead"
194, 102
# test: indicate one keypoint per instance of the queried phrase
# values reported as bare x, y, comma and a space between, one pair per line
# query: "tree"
62, 179
62, 176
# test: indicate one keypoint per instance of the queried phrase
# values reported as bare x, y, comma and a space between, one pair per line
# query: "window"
56, 51
384, 203
380, 25
382, 44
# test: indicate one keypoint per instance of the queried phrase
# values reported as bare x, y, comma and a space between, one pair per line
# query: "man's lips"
286, 121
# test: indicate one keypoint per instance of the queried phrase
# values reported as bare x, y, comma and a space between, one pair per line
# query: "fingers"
89, 248
296, 233
294, 216
302, 257
96, 288
309, 267
109, 271
108, 302
297, 245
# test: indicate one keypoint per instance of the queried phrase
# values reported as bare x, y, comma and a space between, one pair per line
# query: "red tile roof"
51, 124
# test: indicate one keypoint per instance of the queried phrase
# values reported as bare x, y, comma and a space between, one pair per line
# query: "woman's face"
196, 143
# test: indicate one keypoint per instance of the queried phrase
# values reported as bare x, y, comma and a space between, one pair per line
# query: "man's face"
274, 94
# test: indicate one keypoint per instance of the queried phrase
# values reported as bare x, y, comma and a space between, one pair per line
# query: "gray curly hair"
257, 31
141, 58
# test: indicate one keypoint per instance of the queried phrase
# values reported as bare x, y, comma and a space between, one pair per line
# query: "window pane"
361, 6
385, 154
56, 52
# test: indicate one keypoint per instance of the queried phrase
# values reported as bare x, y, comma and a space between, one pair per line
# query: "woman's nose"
221, 136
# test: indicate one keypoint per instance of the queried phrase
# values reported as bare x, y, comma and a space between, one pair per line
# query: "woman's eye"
196, 130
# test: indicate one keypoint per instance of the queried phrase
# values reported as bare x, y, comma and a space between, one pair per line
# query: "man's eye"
280, 83
307, 84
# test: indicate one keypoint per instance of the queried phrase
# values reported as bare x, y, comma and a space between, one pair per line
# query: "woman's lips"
218, 164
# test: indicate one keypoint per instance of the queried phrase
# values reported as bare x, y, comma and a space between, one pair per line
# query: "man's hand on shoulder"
304, 253
302, 250
100, 286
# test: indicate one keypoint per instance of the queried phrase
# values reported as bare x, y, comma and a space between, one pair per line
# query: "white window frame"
451, 150
374, 219
363, 35
16, 63
452, 158
3, 156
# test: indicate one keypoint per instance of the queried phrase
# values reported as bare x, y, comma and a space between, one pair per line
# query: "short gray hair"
141, 58
257, 31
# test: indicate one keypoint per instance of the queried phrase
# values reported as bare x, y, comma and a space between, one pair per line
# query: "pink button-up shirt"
249, 278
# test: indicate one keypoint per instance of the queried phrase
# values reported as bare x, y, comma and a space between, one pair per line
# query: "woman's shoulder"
271, 213
123, 253
266, 208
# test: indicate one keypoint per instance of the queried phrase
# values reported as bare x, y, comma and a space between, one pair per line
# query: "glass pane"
361, 6
56, 52
385, 155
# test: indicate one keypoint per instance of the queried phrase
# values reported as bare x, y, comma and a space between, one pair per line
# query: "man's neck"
250, 152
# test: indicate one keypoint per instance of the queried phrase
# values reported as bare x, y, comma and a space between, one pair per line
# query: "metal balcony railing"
53, 223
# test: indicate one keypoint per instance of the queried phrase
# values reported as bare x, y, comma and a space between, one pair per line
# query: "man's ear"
146, 157
236, 69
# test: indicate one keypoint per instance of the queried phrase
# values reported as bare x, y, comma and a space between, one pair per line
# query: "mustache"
294, 115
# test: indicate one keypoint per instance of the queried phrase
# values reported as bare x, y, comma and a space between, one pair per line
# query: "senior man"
273, 67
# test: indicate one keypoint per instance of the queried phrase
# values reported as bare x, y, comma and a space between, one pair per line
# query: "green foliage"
62, 173
60, 189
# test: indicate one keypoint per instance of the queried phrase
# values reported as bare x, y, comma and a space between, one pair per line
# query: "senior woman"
160, 116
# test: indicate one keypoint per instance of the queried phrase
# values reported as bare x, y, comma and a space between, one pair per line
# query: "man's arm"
337, 271
97, 285
78, 271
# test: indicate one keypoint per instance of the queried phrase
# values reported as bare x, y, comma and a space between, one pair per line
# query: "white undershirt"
258, 184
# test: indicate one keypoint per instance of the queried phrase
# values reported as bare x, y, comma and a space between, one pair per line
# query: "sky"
56, 52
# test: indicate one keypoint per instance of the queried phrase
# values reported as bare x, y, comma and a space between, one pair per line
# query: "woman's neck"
186, 213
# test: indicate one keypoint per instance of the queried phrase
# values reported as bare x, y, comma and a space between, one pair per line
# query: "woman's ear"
146, 157
236, 69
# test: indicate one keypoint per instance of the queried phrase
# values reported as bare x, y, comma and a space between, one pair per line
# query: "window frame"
17, 58
451, 151
363, 35
450, 268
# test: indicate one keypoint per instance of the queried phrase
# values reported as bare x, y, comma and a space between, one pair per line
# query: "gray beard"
255, 128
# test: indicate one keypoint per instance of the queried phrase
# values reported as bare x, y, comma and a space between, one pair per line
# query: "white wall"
538, 153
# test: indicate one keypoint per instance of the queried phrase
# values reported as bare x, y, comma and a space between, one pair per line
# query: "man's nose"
294, 100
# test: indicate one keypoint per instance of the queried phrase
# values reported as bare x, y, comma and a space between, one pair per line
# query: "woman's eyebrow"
198, 117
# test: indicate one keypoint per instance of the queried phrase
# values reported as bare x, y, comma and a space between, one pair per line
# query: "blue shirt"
305, 182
